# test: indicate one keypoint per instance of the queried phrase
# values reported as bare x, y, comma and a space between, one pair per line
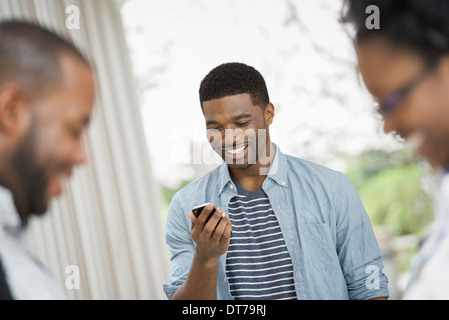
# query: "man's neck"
252, 178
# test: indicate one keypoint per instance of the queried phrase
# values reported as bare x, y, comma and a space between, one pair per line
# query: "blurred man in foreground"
405, 65
46, 100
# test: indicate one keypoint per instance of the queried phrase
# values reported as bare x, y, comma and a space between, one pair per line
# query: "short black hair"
233, 78
416, 25
30, 55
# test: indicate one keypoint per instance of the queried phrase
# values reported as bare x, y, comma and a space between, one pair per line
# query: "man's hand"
212, 241
211, 238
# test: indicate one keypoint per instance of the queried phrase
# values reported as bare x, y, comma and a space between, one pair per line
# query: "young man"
405, 65
283, 228
46, 100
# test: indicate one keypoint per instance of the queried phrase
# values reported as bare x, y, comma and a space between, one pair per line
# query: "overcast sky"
307, 60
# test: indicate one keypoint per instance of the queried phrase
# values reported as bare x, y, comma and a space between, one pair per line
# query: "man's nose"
232, 136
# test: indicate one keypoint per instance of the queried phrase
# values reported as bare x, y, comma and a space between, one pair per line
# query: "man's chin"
38, 206
40, 201
234, 166
41, 211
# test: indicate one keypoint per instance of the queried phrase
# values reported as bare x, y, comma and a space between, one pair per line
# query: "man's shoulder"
200, 186
201, 190
321, 180
308, 168
212, 175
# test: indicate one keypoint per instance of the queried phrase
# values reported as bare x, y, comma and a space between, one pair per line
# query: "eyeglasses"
392, 101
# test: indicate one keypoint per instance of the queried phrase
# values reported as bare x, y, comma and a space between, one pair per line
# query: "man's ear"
269, 113
12, 107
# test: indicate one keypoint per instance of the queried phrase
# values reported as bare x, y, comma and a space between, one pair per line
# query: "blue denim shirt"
327, 231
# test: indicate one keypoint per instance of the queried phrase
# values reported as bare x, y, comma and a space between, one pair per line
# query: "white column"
108, 222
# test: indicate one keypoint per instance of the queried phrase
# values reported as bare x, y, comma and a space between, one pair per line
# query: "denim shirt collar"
277, 172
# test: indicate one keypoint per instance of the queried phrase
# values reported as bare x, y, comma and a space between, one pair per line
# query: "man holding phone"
283, 227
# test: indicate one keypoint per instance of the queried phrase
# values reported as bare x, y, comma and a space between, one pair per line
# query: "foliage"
371, 162
389, 185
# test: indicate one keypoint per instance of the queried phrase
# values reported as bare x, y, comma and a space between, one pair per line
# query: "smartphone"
198, 209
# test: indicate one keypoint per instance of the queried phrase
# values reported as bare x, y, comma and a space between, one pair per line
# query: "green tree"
394, 198
389, 184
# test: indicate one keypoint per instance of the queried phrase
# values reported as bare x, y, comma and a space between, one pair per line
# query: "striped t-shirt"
258, 265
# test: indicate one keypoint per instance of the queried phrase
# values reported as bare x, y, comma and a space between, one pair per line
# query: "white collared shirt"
430, 280
27, 278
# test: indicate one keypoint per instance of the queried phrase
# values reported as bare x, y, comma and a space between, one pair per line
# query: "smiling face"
51, 143
422, 117
238, 130
61, 121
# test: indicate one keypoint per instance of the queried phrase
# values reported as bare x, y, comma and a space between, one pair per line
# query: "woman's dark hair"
418, 25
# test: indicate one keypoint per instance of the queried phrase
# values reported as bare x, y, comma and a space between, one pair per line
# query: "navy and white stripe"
258, 265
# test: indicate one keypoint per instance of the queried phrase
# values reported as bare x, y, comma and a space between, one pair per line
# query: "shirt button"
283, 183
299, 274
231, 186
291, 239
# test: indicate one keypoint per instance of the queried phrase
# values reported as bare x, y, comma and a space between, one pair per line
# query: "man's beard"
28, 180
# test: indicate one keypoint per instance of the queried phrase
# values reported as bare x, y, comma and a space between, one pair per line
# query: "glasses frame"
392, 101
